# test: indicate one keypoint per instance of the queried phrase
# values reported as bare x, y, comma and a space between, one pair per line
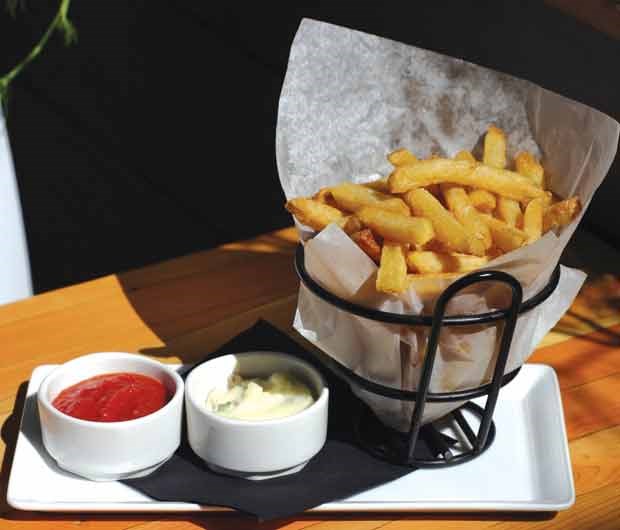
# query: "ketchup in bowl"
119, 396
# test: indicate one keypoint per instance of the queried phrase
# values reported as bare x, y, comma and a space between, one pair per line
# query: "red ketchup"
113, 397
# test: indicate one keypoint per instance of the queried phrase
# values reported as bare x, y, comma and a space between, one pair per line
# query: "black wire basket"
401, 449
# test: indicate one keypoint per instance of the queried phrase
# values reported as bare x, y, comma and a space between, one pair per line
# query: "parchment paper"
350, 98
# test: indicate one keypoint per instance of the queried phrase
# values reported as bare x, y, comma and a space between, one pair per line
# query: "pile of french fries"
441, 217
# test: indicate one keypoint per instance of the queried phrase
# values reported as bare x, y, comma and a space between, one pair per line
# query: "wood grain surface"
178, 310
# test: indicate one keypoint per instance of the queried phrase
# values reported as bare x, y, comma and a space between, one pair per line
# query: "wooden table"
178, 310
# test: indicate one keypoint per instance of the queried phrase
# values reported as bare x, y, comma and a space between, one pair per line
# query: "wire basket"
401, 449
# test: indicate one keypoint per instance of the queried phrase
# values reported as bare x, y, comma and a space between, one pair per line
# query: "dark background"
153, 136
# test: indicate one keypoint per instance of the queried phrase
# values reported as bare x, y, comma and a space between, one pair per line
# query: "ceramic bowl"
254, 449
110, 450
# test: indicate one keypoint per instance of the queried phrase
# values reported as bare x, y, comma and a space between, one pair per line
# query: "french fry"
505, 237
392, 273
483, 200
352, 197
477, 232
501, 181
401, 157
527, 165
465, 155
447, 229
505, 183
494, 252
312, 213
433, 220
349, 224
427, 262
533, 220
561, 213
494, 153
365, 239
324, 195
396, 227
425, 172
509, 211
378, 185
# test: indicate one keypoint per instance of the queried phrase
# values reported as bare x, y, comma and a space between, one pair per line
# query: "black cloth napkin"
339, 470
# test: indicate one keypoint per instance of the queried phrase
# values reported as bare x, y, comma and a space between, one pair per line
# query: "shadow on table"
599, 334
194, 304
9, 432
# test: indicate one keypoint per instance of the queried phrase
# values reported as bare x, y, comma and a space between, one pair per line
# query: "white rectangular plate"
527, 468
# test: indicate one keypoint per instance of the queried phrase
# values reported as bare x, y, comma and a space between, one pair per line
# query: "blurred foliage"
60, 23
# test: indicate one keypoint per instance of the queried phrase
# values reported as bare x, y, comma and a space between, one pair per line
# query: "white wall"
15, 279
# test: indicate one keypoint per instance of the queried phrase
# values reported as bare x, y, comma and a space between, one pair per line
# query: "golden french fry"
477, 232
501, 181
509, 211
427, 262
392, 273
505, 237
433, 220
425, 172
494, 153
401, 157
505, 183
465, 155
561, 213
483, 200
313, 213
378, 185
447, 229
494, 252
527, 165
352, 197
533, 220
365, 239
324, 195
466, 262
396, 227
349, 224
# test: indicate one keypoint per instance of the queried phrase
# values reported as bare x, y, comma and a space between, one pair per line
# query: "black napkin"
340, 470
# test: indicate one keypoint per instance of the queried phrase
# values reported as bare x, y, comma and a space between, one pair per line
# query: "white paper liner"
350, 98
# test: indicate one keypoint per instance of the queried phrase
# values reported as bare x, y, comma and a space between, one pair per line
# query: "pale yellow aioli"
278, 396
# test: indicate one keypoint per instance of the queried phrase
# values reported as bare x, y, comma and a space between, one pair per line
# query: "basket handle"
439, 314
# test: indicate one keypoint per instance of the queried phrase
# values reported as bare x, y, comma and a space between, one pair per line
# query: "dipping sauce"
278, 396
119, 396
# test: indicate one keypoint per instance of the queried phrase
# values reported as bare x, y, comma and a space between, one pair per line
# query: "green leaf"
68, 30
60, 23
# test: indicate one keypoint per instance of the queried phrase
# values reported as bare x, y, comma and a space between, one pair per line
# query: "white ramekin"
110, 450
254, 449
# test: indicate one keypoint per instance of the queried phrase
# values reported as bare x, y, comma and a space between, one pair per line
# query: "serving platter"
527, 468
